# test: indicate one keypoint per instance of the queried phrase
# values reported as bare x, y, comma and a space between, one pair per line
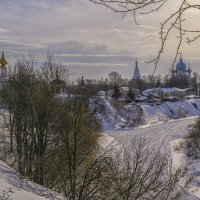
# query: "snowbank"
119, 114
153, 114
14, 187
181, 158
122, 115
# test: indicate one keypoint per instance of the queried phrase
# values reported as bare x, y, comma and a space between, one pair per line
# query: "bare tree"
175, 21
132, 172
140, 172
75, 140
31, 105
52, 70
114, 77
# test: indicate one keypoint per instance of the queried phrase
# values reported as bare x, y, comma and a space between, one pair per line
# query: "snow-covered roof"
191, 97
62, 95
163, 90
124, 89
167, 90
147, 91
141, 98
101, 93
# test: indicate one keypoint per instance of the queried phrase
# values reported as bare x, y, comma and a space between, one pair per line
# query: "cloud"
91, 55
76, 54
95, 64
75, 47
81, 33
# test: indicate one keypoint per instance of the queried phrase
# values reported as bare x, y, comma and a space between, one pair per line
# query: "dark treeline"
114, 79
55, 141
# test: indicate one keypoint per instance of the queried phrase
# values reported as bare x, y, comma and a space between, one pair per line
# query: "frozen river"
160, 135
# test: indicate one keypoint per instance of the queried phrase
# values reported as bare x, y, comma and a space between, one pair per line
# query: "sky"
90, 39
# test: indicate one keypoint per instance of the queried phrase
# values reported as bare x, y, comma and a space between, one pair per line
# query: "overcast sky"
89, 39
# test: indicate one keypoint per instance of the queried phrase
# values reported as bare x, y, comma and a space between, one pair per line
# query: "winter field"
166, 125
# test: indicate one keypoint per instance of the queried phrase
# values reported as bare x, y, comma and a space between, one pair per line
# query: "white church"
180, 70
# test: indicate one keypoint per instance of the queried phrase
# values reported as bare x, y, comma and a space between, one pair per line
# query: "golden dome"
3, 61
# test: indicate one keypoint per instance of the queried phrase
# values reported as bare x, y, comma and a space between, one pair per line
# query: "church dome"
3, 61
181, 66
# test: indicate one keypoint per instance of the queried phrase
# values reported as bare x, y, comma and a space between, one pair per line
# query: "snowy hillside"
12, 185
119, 114
182, 158
15, 187
154, 114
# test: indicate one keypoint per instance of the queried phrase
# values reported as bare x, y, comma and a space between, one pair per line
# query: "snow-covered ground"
15, 187
123, 115
164, 124
154, 114
119, 114
185, 154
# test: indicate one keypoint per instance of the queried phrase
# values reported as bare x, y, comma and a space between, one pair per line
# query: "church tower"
82, 81
3, 63
136, 75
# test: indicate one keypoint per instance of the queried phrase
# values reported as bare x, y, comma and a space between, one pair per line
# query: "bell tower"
136, 75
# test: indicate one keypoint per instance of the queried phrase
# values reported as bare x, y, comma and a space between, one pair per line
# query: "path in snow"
161, 135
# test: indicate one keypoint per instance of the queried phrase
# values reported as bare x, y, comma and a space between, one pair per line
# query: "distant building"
3, 66
136, 82
165, 92
136, 75
170, 92
82, 83
125, 90
181, 70
101, 93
